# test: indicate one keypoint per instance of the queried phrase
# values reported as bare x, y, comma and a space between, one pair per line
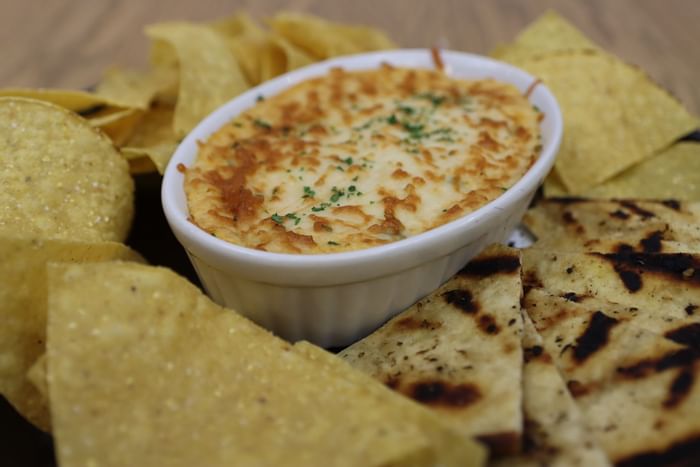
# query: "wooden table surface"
70, 42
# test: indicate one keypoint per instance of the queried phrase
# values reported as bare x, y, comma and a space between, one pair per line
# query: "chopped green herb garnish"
308, 192
352, 188
348, 160
336, 194
414, 129
340, 168
392, 120
293, 217
262, 124
354, 179
260, 98
277, 218
331, 242
407, 110
433, 98
237, 124
320, 207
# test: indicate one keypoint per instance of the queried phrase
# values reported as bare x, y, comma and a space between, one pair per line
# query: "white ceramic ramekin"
335, 299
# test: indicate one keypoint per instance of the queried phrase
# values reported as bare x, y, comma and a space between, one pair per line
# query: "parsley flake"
308, 192
277, 218
262, 124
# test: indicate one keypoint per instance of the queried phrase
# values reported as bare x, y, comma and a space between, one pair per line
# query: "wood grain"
69, 43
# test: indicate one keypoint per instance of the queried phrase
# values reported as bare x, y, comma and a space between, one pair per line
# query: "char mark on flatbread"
635, 209
462, 299
680, 388
594, 337
501, 264
686, 335
683, 453
675, 359
442, 393
681, 267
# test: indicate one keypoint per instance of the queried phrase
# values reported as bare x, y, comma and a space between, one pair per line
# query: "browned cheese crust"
351, 160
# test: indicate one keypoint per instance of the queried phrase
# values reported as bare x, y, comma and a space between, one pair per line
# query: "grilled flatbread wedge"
555, 432
667, 283
608, 226
145, 370
636, 389
458, 351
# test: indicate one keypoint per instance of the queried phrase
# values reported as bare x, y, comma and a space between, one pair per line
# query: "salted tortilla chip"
119, 126
635, 388
458, 350
672, 173
137, 378
23, 311
209, 73
555, 431
614, 116
61, 178
84, 103
36, 375
655, 281
548, 33
280, 56
607, 226
324, 39
451, 447
154, 139
137, 89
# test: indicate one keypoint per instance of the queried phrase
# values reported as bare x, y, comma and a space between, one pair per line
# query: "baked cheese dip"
351, 160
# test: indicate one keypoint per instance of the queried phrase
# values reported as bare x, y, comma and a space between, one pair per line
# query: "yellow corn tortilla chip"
246, 39
279, 56
324, 39
209, 73
614, 116
23, 311
61, 178
673, 173
137, 89
84, 103
118, 125
548, 33
153, 138
143, 369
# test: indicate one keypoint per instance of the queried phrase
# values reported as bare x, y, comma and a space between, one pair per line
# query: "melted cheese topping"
352, 160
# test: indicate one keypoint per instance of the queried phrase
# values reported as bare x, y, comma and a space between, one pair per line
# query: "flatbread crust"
458, 351
636, 389
555, 432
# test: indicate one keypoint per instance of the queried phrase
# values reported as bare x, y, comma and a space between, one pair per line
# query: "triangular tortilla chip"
458, 350
23, 311
145, 370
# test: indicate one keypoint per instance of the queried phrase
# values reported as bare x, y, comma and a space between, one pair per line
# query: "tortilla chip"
119, 126
672, 173
549, 33
209, 74
634, 387
614, 116
451, 447
154, 139
324, 39
579, 224
136, 89
662, 281
554, 426
262, 404
61, 178
23, 311
458, 350
553, 186
280, 56
85, 104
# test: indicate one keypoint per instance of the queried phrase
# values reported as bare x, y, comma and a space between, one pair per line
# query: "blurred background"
70, 42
